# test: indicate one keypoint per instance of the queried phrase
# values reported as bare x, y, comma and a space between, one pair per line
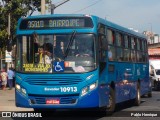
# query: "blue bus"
78, 62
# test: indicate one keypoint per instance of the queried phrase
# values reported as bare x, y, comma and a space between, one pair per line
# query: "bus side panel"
103, 88
143, 74
125, 82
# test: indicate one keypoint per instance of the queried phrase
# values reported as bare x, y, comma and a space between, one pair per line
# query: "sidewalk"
7, 101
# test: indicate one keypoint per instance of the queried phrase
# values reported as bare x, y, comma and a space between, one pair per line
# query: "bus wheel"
111, 107
138, 95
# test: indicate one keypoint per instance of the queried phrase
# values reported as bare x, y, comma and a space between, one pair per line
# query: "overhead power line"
59, 2
87, 6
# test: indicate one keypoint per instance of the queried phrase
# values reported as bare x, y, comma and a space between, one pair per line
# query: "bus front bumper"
90, 100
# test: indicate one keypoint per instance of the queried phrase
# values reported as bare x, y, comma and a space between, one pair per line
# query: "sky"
140, 15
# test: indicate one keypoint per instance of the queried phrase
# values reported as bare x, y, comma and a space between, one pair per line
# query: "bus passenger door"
103, 89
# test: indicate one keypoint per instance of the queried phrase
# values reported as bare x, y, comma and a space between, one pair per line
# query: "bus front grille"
53, 81
63, 100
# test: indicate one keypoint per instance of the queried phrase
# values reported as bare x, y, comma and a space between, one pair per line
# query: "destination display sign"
62, 22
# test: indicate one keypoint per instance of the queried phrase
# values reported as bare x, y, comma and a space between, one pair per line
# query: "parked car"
154, 70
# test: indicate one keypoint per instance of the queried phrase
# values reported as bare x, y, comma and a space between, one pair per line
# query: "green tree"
17, 9
3, 28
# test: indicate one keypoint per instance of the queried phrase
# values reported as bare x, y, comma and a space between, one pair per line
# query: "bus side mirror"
9, 45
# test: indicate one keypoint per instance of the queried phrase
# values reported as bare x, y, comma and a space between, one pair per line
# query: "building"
153, 45
154, 53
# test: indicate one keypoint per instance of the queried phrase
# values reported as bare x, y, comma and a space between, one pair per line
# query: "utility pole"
9, 26
152, 35
53, 6
9, 36
43, 3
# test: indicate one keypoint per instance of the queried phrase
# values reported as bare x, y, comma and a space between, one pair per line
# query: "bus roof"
120, 28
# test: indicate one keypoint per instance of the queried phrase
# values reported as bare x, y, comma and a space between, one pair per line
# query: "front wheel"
111, 107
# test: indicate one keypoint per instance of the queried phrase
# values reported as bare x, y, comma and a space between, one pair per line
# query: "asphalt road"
149, 107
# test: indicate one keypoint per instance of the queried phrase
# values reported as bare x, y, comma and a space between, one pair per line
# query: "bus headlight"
24, 91
92, 86
84, 91
18, 87
88, 88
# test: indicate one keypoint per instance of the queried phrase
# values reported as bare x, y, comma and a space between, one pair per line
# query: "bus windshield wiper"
70, 43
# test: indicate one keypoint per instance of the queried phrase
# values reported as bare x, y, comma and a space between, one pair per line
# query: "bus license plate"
52, 101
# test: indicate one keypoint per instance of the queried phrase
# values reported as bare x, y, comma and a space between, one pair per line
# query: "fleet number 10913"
68, 89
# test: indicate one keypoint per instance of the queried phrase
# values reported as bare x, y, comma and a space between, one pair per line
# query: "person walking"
4, 79
10, 78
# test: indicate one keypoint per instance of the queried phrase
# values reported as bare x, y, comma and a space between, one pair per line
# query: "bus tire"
111, 107
138, 96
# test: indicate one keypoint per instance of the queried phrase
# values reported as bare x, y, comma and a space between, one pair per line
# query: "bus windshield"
65, 53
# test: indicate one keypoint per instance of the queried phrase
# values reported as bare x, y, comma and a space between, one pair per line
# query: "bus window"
145, 46
138, 44
27, 50
126, 41
132, 43
111, 53
59, 49
138, 56
119, 39
142, 46
126, 54
111, 37
126, 48
103, 47
119, 45
102, 29
144, 57
133, 56
81, 52
119, 54
48, 51
37, 53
